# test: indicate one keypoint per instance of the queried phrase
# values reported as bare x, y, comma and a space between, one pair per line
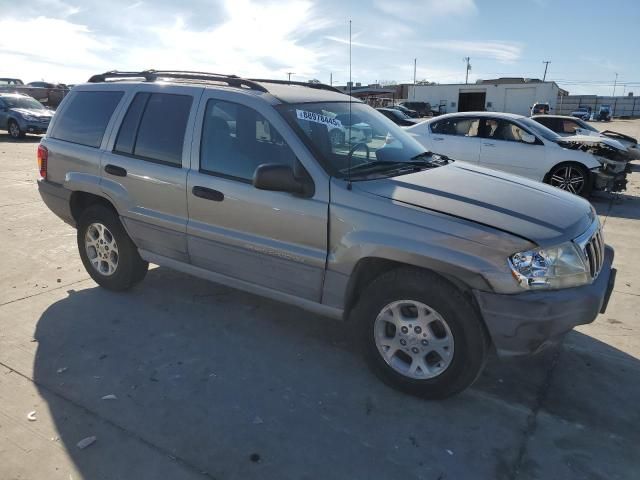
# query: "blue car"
21, 114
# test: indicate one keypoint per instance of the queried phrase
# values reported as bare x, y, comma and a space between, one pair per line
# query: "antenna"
350, 98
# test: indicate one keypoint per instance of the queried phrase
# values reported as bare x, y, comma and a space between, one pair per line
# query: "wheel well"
80, 201
562, 164
370, 268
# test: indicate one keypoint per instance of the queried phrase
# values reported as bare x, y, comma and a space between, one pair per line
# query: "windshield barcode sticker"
318, 118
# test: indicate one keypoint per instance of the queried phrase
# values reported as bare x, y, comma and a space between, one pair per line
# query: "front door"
270, 239
503, 149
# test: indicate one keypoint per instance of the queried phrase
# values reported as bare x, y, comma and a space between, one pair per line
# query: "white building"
512, 95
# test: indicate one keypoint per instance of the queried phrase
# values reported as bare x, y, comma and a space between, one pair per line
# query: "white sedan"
519, 145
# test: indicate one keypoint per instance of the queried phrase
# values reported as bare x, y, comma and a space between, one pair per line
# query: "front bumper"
527, 322
31, 126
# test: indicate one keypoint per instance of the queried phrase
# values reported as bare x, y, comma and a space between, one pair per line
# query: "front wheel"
572, 178
14, 130
420, 334
107, 252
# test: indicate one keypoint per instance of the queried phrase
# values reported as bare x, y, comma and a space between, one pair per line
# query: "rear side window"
461, 127
85, 119
154, 127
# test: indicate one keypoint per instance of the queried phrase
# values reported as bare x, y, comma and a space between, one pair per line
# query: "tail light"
43, 156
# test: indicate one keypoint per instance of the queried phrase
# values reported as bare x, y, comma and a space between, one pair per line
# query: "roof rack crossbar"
153, 75
319, 86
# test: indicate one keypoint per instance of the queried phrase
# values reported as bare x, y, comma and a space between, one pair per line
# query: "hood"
34, 112
619, 136
534, 211
592, 140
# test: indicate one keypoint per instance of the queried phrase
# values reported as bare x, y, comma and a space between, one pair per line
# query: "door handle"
208, 193
438, 139
114, 170
489, 144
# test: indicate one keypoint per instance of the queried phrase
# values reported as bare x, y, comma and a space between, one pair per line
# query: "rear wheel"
571, 177
420, 334
14, 130
107, 252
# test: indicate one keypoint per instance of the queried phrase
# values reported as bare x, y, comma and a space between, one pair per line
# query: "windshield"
23, 102
540, 129
333, 133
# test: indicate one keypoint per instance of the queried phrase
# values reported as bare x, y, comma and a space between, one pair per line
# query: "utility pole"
415, 60
546, 65
331, 79
614, 85
289, 75
466, 78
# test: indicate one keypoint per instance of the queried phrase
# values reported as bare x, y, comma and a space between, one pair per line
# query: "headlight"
548, 268
29, 118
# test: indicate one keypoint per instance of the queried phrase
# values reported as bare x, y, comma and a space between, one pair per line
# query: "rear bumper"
57, 198
528, 322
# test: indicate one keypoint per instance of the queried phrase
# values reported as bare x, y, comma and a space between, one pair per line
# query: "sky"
587, 41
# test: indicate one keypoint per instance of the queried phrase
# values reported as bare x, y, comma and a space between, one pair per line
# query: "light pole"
546, 65
466, 78
289, 75
615, 82
415, 60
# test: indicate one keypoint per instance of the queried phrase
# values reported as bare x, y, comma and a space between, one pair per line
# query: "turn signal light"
43, 156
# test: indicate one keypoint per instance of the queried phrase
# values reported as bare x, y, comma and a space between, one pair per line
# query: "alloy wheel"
568, 178
414, 339
102, 249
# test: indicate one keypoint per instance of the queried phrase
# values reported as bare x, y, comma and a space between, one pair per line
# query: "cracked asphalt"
214, 383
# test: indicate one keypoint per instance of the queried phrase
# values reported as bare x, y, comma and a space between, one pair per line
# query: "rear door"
270, 239
144, 169
503, 149
457, 137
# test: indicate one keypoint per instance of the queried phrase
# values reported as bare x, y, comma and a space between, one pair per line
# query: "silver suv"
434, 262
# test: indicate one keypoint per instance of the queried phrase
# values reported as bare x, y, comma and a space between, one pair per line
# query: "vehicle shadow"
238, 386
6, 138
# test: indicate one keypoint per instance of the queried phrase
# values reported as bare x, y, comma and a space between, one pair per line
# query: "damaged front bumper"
611, 178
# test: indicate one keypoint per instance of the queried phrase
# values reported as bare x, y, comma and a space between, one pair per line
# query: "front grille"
594, 252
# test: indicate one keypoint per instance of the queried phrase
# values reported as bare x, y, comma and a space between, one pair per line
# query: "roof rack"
319, 86
153, 75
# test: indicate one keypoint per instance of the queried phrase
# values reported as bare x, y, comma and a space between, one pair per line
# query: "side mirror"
281, 178
528, 138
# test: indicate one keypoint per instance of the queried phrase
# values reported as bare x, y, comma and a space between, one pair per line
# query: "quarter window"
85, 119
237, 139
154, 127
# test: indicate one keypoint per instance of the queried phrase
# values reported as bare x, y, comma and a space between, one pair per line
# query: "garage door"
519, 100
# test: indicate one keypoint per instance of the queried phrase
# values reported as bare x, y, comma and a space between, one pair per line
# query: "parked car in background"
349, 124
582, 112
603, 114
10, 81
49, 94
398, 117
419, 253
422, 108
520, 145
407, 111
540, 108
569, 126
21, 114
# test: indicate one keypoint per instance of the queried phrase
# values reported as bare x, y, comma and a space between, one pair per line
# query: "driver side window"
504, 130
237, 139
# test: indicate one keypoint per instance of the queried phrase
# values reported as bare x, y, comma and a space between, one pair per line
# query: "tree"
424, 81
388, 83
314, 80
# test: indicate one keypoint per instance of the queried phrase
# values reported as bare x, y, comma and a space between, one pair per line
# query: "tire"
429, 301
14, 130
563, 175
107, 252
